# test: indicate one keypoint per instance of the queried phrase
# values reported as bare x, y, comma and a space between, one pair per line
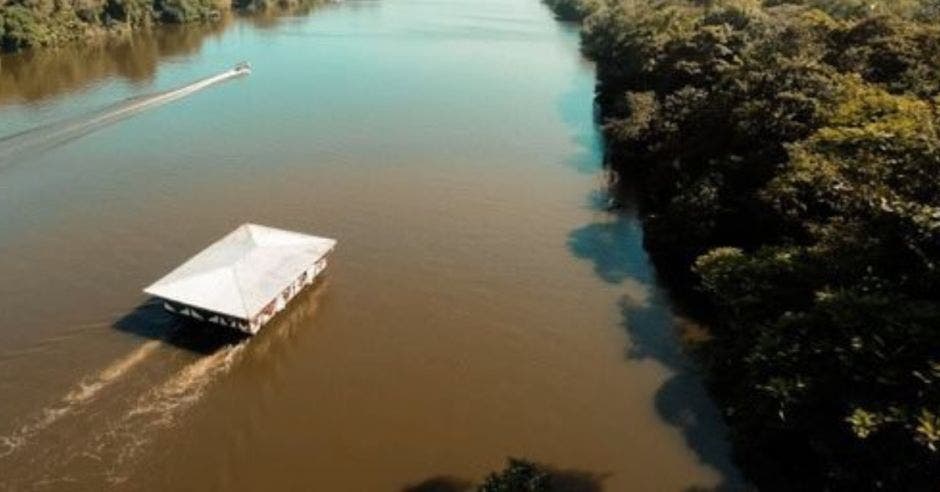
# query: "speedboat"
242, 68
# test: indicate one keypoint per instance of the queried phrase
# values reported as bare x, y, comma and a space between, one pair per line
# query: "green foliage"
518, 476
572, 11
36, 23
899, 55
132, 12
182, 11
787, 155
21, 28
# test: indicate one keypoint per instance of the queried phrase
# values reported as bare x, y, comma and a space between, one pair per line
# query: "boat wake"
158, 408
45, 137
113, 445
83, 393
101, 430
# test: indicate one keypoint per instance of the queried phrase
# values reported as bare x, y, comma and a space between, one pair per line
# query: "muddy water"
482, 302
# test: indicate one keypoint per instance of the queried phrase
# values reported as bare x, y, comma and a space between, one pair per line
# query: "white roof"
242, 272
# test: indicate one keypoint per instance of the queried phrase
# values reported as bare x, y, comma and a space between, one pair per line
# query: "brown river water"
482, 302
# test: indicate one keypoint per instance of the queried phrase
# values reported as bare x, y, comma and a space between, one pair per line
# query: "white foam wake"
158, 408
48, 136
82, 394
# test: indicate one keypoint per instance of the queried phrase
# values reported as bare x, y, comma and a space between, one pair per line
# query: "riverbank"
46, 23
785, 155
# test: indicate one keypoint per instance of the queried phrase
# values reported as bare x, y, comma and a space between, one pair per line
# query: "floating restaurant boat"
242, 280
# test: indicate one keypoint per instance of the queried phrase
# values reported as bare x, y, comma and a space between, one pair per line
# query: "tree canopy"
787, 156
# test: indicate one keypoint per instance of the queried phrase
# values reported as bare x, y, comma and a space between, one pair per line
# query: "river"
483, 301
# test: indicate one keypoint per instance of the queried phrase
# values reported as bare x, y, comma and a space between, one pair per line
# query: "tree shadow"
559, 480
614, 245
440, 484
570, 480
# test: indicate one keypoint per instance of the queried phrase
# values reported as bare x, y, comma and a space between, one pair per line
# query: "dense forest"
34, 23
787, 158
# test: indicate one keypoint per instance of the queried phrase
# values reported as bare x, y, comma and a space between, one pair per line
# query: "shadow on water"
569, 480
440, 484
559, 480
614, 245
150, 320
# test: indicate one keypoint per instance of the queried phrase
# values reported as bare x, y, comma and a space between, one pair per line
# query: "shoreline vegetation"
27, 24
518, 475
786, 156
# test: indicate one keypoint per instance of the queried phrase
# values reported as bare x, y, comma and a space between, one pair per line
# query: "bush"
21, 28
518, 476
133, 12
